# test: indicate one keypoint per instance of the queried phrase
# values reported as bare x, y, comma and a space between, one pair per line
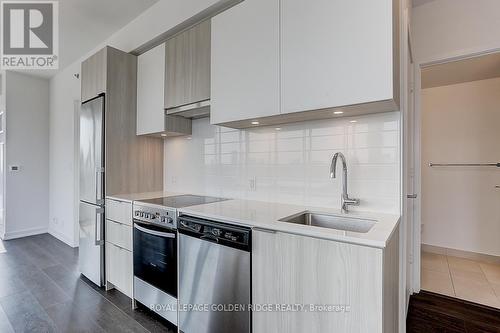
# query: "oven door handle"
154, 232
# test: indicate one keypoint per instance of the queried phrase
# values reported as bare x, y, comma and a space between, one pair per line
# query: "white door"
412, 195
2, 188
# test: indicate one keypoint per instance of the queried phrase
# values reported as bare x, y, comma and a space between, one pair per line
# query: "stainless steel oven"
155, 265
155, 257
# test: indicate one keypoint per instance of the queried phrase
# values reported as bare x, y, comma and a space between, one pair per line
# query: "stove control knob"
169, 220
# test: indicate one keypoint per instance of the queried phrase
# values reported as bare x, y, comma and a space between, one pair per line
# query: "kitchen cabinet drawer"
119, 270
119, 234
119, 211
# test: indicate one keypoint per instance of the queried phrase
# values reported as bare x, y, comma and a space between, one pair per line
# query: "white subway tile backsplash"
290, 164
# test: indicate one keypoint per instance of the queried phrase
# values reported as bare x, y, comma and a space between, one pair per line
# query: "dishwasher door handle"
210, 238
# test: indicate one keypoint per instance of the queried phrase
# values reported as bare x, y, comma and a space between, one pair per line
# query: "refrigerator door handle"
98, 185
98, 226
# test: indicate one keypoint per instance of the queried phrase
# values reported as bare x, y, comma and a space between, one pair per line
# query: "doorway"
459, 119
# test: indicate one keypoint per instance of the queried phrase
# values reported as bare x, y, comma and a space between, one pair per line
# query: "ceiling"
83, 24
416, 3
472, 69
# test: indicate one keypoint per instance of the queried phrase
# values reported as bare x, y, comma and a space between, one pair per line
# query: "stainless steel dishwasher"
214, 277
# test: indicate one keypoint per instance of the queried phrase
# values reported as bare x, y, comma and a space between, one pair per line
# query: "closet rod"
465, 164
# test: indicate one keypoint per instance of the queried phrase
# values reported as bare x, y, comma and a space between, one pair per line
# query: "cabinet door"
119, 269
290, 269
335, 53
245, 62
150, 89
93, 75
187, 70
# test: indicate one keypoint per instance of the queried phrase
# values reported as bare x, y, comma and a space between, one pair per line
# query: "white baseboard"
487, 258
62, 237
24, 233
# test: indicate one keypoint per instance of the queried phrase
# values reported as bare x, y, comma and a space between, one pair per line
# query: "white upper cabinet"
335, 53
282, 61
245, 62
150, 77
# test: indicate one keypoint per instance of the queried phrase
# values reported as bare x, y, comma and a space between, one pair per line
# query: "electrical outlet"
55, 221
173, 180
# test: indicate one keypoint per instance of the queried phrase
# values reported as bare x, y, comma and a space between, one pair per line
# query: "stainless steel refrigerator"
92, 193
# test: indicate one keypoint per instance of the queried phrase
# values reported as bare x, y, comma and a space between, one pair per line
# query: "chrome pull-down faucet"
345, 200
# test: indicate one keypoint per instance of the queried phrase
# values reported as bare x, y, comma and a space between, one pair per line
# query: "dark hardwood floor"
42, 291
433, 313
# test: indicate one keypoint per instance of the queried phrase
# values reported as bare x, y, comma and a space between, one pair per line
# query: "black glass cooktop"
179, 201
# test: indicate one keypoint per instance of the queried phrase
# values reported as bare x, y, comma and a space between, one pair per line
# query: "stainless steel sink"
331, 221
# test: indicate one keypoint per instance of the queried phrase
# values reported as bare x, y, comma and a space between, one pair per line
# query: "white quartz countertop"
130, 197
265, 215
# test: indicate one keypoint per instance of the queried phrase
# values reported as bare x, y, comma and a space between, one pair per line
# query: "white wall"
291, 165
27, 145
460, 206
63, 166
2, 153
162, 16
449, 28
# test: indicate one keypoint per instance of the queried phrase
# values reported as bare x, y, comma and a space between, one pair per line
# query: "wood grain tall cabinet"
133, 163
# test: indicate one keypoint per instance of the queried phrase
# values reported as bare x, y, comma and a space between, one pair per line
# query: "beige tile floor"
462, 278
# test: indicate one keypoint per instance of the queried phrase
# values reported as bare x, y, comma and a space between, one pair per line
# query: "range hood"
193, 110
